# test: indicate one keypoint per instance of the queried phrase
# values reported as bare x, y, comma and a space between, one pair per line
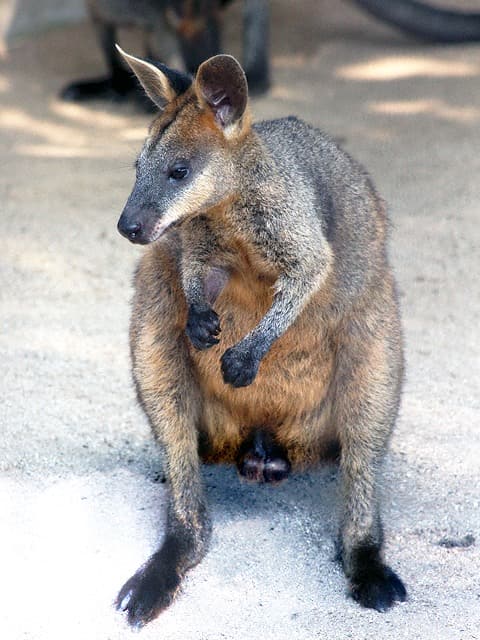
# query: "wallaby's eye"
178, 172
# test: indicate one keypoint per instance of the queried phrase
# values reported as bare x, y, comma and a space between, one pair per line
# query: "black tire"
425, 21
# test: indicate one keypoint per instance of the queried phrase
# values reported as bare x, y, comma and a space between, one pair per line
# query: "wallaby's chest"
239, 272
293, 377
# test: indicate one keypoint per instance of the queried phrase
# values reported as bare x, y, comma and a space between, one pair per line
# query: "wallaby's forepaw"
147, 593
203, 326
378, 587
239, 366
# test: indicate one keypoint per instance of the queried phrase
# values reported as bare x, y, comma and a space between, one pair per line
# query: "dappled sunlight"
133, 134
400, 67
20, 120
285, 92
88, 134
437, 108
376, 134
84, 115
291, 61
64, 151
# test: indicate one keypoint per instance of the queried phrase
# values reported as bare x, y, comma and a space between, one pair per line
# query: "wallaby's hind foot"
115, 87
261, 460
151, 590
119, 89
372, 583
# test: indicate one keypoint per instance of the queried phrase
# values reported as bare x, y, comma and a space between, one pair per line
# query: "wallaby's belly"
289, 396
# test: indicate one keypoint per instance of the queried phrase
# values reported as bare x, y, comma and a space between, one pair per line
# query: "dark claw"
203, 325
239, 366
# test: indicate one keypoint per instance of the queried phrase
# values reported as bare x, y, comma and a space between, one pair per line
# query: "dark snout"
130, 230
138, 224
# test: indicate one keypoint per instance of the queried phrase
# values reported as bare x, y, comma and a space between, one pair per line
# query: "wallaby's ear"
161, 84
221, 83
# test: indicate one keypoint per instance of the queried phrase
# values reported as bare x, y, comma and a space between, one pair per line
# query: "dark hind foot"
262, 460
372, 583
116, 87
151, 590
119, 88
156, 584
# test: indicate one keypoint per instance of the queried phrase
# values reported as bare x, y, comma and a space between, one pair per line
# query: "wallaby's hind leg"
262, 460
256, 45
168, 392
366, 407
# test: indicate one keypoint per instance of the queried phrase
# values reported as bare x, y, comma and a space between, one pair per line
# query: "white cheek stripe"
193, 198
159, 228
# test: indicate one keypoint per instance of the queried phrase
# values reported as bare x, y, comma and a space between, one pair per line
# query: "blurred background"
80, 495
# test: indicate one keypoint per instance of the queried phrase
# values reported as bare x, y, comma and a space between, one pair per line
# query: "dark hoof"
378, 588
203, 327
147, 594
239, 366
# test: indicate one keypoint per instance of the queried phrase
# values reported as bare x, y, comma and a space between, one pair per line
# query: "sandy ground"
81, 501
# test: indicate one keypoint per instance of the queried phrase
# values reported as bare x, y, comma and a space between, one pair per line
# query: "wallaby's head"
186, 165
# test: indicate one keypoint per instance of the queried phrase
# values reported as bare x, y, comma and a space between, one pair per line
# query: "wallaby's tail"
426, 21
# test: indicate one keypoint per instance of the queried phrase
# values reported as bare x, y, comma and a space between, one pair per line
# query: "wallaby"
197, 28
265, 328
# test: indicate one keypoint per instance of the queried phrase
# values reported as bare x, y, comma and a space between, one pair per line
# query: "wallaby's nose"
130, 230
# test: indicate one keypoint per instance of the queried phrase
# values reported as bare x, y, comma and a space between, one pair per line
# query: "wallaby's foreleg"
169, 395
365, 409
202, 283
303, 274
